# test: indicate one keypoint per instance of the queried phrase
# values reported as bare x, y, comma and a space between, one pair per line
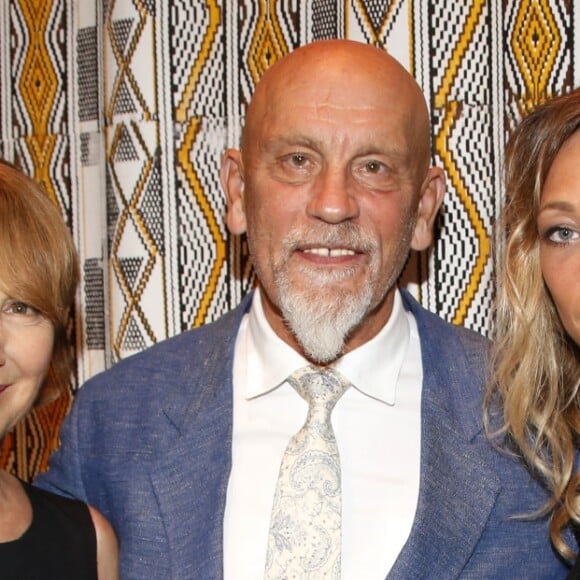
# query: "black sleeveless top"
575, 572
60, 543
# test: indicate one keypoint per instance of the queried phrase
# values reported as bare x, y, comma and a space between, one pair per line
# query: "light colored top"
378, 431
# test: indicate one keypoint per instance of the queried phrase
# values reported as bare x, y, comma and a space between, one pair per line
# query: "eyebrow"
300, 140
558, 205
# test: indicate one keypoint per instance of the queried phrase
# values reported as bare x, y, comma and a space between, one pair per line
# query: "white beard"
322, 321
321, 315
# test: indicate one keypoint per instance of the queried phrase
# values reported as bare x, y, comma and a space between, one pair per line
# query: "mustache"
343, 235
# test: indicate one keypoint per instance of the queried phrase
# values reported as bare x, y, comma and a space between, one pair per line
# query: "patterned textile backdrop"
122, 108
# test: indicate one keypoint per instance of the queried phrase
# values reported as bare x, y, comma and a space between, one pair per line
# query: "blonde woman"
41, 535
537, 362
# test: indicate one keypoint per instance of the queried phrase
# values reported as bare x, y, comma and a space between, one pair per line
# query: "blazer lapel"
457, 494
190, 487
457, 488
190, 480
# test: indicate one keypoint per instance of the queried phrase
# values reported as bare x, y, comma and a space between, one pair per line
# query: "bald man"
181, 446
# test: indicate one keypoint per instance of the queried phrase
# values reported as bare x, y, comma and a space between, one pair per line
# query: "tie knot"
320, 387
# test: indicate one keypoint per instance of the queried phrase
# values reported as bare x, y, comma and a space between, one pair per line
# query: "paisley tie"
305, 526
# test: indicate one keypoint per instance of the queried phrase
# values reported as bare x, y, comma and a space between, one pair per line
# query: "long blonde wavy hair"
536, 378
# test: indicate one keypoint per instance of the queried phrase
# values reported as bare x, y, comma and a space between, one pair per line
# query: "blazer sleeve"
64, 476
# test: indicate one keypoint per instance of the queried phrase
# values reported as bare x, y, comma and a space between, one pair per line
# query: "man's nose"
333, 198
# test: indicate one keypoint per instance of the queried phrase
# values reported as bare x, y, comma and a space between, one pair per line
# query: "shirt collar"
270, 360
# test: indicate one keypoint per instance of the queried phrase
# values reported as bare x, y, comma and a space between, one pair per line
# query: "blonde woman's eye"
562, 234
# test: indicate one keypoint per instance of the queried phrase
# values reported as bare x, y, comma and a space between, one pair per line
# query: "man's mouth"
330, 252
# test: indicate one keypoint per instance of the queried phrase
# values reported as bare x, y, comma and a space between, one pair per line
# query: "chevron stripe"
442, 97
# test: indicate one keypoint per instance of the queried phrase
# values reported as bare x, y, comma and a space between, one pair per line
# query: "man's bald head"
331, 68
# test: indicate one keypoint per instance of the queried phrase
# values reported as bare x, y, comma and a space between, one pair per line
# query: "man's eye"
373, 166
298, 159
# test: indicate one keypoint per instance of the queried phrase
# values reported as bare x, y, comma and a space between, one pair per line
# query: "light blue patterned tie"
305, 526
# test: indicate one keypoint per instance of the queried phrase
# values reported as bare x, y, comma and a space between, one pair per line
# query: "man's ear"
432, 194
232, 180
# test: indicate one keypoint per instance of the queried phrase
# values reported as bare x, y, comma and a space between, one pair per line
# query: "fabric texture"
304, 539
149, 444
60, 543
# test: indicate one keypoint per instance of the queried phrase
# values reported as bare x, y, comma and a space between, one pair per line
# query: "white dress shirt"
378, 431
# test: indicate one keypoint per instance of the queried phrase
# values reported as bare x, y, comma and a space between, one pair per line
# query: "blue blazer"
148, 442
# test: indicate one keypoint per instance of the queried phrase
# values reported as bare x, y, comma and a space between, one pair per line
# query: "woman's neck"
15, 508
